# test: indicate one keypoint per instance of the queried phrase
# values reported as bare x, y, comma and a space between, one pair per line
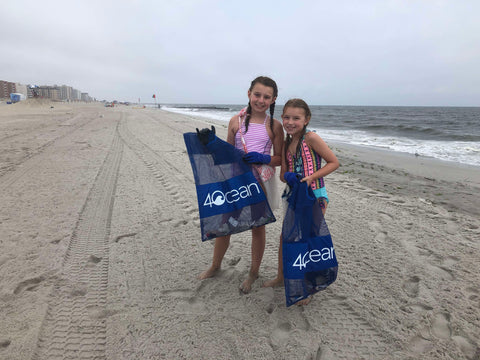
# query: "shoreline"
428, 167
453, 186
388, 137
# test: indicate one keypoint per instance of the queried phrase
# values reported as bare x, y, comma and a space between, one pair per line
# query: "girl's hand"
308, 180
254, 157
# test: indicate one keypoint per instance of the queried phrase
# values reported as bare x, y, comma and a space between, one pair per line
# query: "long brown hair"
296, 103
265, 81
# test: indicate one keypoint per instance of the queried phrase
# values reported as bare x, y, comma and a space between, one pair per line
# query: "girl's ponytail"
272, 110
247, 117
288, 141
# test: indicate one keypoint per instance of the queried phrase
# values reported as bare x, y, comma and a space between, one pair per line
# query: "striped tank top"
256, 138
305, 163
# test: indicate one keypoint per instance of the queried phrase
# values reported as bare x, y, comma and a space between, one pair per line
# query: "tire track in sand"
75, 322
12, 172
161, 168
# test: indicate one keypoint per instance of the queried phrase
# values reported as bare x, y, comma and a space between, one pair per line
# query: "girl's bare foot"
210, 272
246, 286
304, 301
278, 281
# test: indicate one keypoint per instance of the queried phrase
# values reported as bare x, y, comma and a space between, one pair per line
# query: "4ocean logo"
230, 195
315, 254
219, 198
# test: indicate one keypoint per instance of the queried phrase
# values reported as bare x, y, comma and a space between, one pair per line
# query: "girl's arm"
232, 130
277, 144
321, 148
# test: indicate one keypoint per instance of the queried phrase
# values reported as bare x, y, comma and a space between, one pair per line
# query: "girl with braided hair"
302, 156
255, 132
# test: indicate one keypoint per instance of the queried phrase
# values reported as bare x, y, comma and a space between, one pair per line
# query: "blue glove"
254, 157
291, 178
206, 136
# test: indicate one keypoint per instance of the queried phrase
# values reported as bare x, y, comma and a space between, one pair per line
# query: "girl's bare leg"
258, 248
278, 281
219, 250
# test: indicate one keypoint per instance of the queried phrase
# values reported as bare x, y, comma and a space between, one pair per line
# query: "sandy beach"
100, 249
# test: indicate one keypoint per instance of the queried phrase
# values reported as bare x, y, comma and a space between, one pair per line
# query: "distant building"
22, 89
66, 92
76, 95
53, 92
6, 88
86, 97
49, 92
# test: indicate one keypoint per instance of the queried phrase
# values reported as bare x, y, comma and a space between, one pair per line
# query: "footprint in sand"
28, 285
180, 223
381, 237
441, 266
452, 228
192, 305
375, 226
420, 345
280, 333
415, 308
450, 261
441, 326
188, 301
411, 286
469, 349
473, 293
270, 308
443, 273
324, 353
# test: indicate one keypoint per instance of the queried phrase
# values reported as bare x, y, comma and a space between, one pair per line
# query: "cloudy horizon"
406, 53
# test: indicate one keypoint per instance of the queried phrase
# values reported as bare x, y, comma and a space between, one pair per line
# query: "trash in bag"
230, 199
309, 261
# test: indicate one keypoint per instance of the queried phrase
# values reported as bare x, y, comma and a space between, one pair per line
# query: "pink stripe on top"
256, 138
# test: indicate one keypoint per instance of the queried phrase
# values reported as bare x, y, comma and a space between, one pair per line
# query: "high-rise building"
66, 92
6, 88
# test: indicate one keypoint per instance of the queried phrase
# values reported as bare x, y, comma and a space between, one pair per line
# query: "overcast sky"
378, 52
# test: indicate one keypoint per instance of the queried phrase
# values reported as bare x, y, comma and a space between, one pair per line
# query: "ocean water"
445, 133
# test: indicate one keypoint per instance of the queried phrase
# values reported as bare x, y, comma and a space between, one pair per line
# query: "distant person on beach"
301, 144
254, 132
